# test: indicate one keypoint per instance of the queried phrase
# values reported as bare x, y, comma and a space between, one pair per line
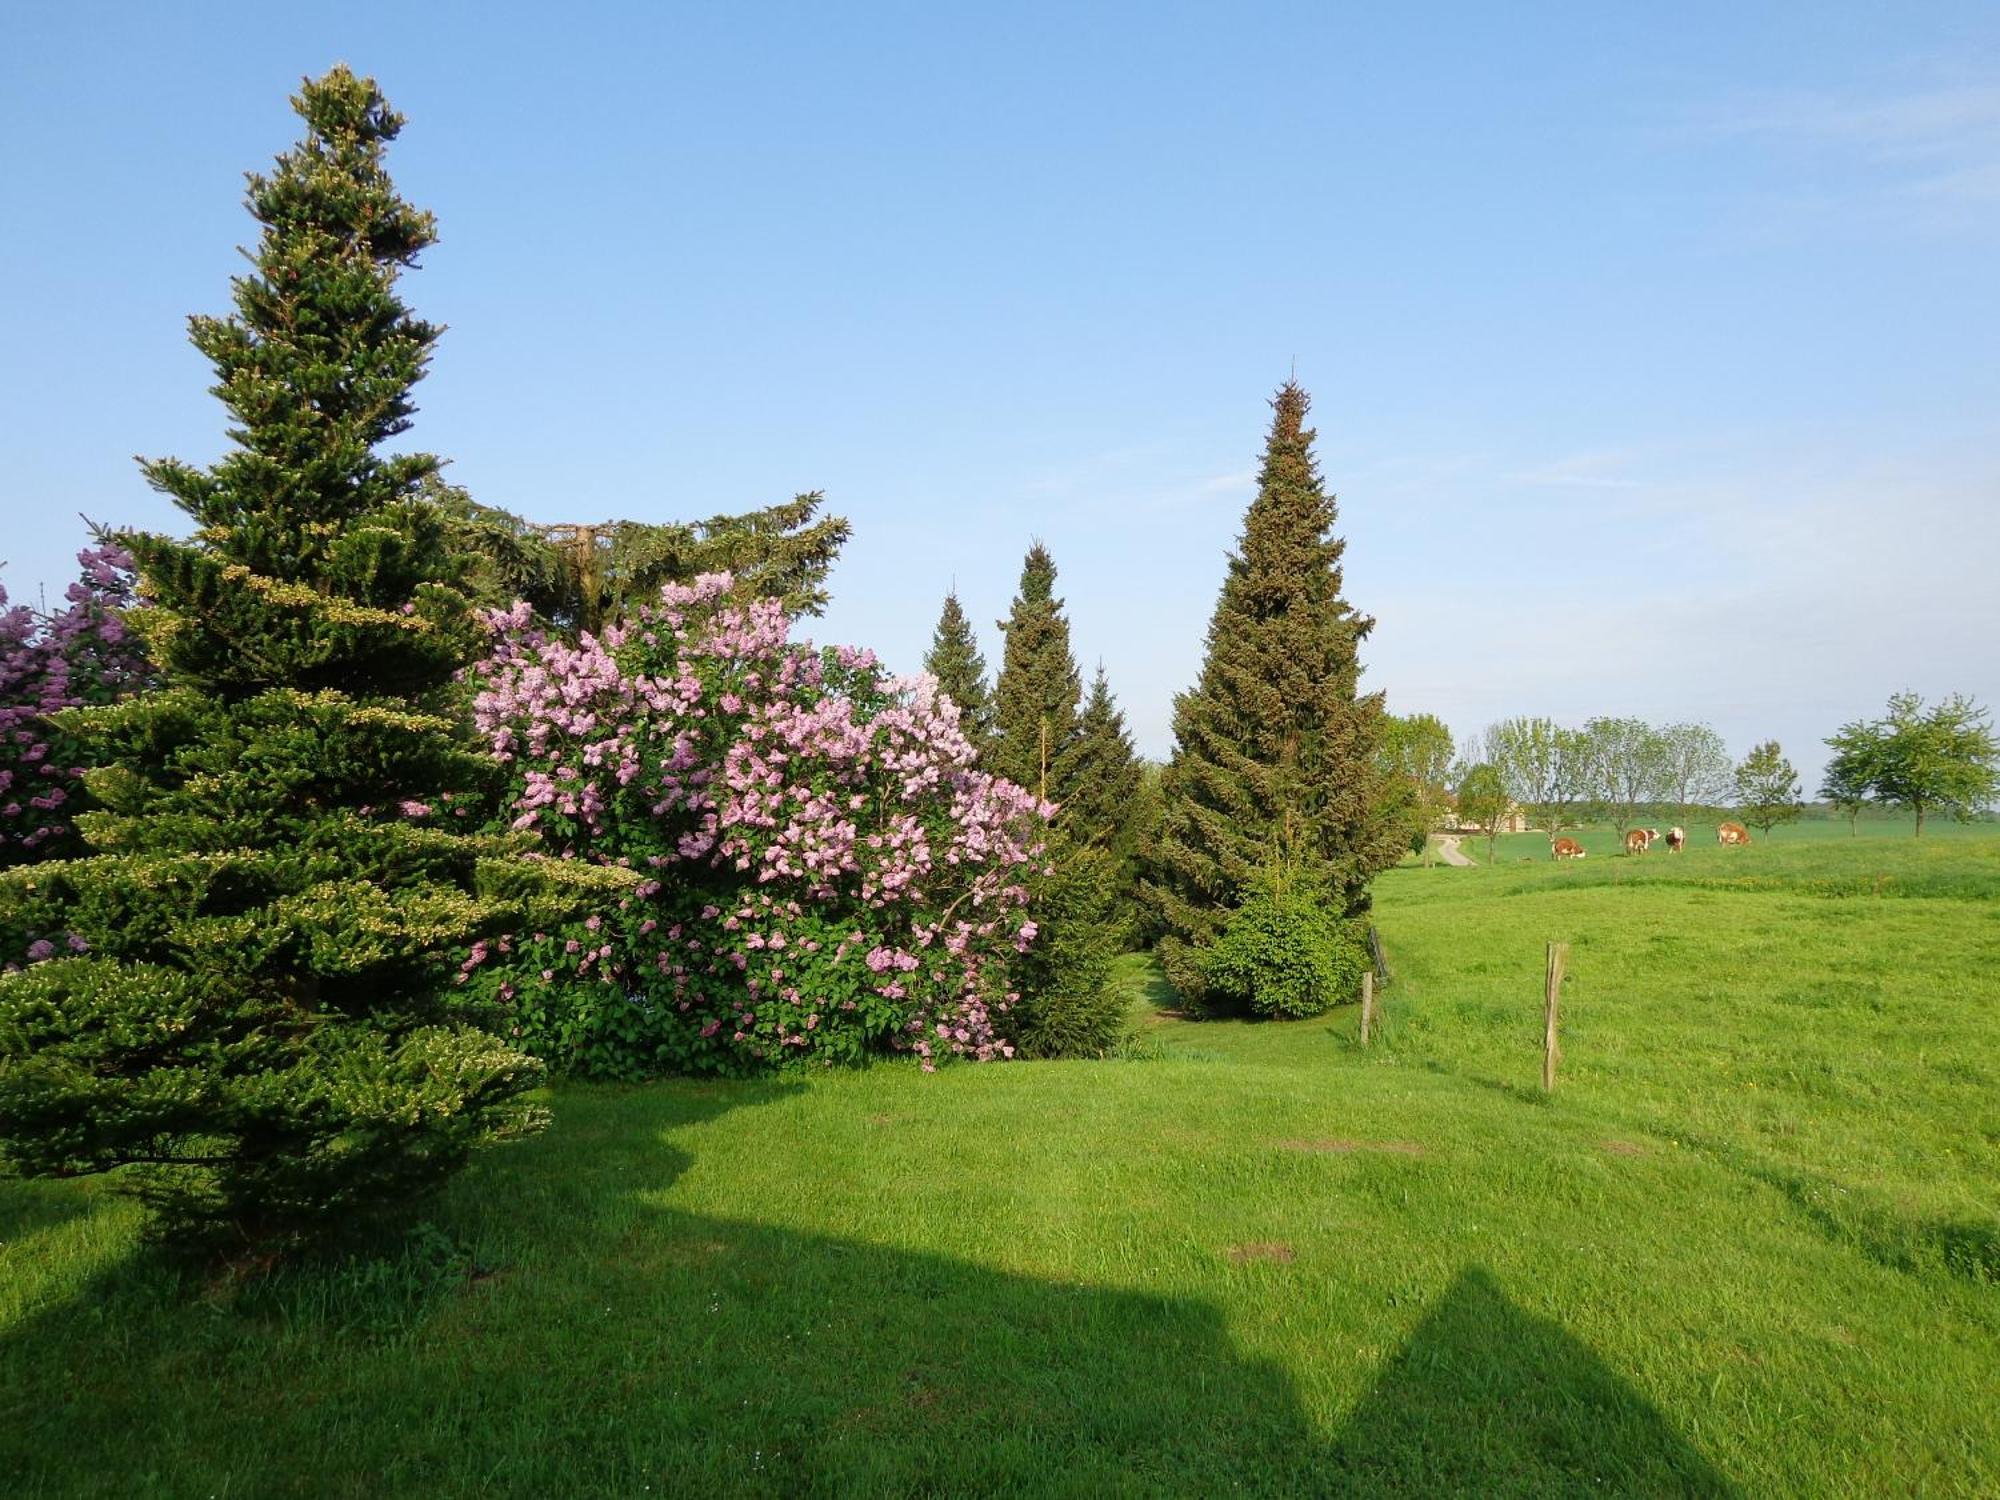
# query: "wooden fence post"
1376, 956
1367, 1003
1551, 1014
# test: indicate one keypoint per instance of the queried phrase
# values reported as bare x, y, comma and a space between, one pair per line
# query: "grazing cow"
1732, 833
1566, 849
1676, 836
1636, 841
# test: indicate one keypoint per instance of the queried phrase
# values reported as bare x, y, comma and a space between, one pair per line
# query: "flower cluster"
827, 871
83, 653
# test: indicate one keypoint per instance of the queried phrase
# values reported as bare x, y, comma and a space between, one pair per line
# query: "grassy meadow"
1751, 1246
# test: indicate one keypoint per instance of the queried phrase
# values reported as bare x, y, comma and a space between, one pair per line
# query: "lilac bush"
83, 653
827, 871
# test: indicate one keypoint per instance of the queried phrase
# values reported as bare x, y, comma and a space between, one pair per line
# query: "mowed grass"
1749, 1247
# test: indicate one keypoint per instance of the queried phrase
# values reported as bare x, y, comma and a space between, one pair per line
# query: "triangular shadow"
1485, 1399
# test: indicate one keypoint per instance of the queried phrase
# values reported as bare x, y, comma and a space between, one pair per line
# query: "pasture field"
1603, 842
1751, 1246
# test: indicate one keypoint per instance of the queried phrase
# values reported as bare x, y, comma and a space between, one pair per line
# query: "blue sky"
1655, 351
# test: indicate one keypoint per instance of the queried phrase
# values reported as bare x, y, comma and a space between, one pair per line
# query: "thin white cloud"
1924, 123
1939, 142
1227, 484
1601, 470
1977, 184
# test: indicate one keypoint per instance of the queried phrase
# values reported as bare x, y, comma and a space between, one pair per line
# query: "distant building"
1515, 821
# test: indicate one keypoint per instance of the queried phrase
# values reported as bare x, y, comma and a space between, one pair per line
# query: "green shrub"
1285, 954
1069, 1006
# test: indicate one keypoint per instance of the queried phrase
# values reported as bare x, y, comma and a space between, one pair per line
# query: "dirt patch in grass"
1340, 1146
1262, 1250
1622, 1148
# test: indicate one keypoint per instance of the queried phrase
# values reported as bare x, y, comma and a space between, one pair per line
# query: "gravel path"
1448, 850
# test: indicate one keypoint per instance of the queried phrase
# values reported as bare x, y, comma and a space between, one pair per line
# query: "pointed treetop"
960, 670
1039, 691
1038, 577
1290, 406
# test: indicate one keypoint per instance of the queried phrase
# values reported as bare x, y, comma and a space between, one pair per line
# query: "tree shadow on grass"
603, 1341
27, 1206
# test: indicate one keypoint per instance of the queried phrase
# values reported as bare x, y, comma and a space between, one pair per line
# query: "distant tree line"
1923, 760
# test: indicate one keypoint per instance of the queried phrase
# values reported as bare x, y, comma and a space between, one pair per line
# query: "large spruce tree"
253, 1002
960, 670
1039, 692
1275, 766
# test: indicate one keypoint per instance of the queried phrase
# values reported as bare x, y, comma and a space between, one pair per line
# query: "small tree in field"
1695, 768
1849, 781
1483, 802
252, 999
1546, 768
1767, 788
1627, 761
1943, 759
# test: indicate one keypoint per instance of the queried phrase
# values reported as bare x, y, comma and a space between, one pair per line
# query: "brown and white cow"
1676, 836
1732, 833
1637, 842
1566, 849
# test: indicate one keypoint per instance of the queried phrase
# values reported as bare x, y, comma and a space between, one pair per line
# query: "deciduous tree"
1546, 768
1939, 759
1851, 770
1767, 788
1695, 768
1417, 758
1628, 764
1483, 801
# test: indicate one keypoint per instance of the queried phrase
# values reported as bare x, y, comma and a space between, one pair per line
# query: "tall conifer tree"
253, 1001
1275, 759
1039, 692
960, 670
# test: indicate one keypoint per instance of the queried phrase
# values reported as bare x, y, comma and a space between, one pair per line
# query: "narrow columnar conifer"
1275, 760
1039, 692
960, 670
1103, 806
1100, 775
253, 1002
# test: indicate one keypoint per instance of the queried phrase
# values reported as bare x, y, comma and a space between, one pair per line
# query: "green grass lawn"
1749, 1247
